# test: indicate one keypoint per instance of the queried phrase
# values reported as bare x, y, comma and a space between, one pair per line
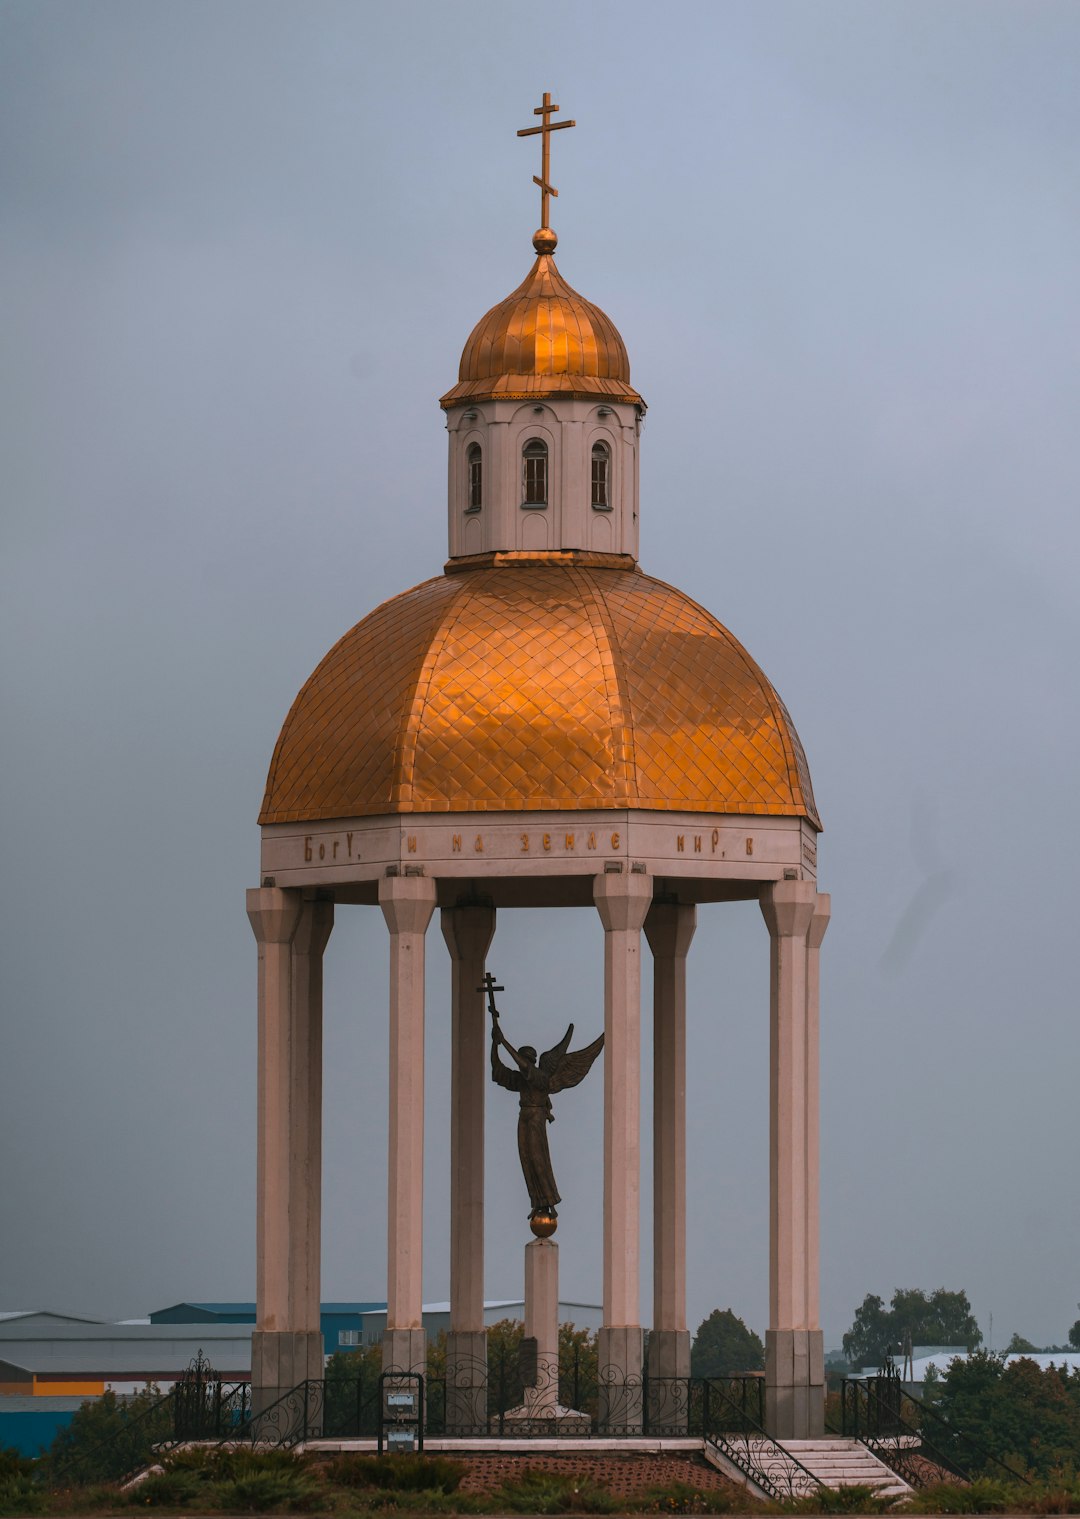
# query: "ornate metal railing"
911, 1436
736, 1433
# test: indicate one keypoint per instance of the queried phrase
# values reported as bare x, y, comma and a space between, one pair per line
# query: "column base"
405, 1350
669, 1384
794, 1384
466, 1382
620, 1357
280, 1361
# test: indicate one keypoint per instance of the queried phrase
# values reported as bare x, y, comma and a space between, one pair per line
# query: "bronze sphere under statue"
543, 1222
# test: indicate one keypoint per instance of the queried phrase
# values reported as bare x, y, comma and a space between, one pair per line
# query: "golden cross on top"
549, 126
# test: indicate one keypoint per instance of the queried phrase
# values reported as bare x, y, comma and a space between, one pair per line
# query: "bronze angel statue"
535, 1080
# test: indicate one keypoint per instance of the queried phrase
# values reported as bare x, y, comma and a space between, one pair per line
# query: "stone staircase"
834, 1461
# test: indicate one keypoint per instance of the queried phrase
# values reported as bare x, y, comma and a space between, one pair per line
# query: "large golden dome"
537, 682
543, 340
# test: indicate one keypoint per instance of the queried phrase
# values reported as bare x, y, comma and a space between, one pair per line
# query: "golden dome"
543, 340
537, 685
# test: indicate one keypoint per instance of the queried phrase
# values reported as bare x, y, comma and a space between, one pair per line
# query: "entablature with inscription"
471, 845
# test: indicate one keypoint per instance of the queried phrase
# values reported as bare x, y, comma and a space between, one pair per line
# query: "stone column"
669, 929
814, 935
622, 901
794, 1370
287, 1345
407, 903
542, 1325
468, 932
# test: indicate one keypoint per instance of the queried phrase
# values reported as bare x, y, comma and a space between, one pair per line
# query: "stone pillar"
542, 1325
468, 932
814, 935
794, 1368
622, 901
287, 1345
669, 929
407, 903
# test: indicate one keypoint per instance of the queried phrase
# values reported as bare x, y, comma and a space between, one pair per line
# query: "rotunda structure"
540, 724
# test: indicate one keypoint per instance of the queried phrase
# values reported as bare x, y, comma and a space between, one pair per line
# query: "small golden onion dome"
533, 683
543, 340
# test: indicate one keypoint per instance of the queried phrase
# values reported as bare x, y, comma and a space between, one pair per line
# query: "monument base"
281, 1360
547, 1419
466, 1382
405, 1350
669, 1369
620, 1357
794, 1384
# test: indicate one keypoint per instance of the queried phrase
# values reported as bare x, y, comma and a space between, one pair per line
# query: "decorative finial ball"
543, 1222
544, 240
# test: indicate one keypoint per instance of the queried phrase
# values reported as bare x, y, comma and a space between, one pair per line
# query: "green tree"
350, 1392
940, 1318
1019, 1346
1019, 1412
1074, 1335
724, 1346
109, 1437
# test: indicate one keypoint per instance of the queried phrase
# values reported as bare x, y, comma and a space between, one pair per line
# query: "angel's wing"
574, 1067
549, 1060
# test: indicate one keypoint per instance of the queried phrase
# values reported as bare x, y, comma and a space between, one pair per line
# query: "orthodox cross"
489, 980
549, 126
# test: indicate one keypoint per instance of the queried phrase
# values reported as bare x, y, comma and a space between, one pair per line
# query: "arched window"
601, 477
534, 459
474, 457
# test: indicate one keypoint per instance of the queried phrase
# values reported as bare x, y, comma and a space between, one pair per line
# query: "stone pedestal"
794, 1384
466, 1382
668, 1387
405, 1350
541, 1413
280, 1361
620, 1360
542, 1325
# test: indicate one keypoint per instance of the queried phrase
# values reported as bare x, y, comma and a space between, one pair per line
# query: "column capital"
314, 927
468, 930
622, 900
787, 907
669, 928
273, 912
407, 903
820, 921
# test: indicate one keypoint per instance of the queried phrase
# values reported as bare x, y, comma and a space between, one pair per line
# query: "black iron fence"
468, 1398
912, 1437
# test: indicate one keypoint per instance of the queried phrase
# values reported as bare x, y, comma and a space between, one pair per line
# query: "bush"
538, 1492
853, 1499
679, 1498
109, 1437
165, 1489
404, 1473
979, 1497
20, 1494
258, 1491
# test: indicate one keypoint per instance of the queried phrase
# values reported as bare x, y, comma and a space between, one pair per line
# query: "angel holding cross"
535, 1080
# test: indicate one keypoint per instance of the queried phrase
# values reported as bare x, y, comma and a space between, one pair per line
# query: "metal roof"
19, 1330
140, 1354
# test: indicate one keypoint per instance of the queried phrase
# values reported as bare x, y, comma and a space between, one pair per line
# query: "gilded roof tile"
537, 686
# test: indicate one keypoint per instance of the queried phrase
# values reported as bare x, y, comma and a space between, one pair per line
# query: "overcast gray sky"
243, 245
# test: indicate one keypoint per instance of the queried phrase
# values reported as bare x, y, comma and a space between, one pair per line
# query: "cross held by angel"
534, 1080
